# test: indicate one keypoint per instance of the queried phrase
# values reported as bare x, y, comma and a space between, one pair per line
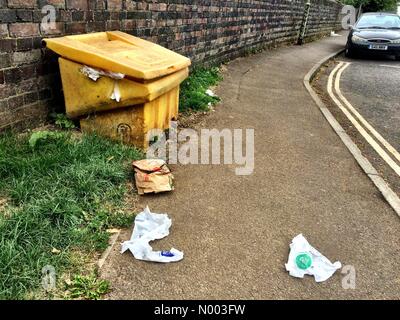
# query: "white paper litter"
304, 259
334, 34
210, 93
116, 95
148, 227
95, 74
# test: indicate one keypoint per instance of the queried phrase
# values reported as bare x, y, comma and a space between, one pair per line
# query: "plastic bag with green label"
304, 259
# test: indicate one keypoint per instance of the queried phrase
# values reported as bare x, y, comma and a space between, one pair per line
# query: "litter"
334, 34
152, 175
210, 93
304, 259
148, 227
95, 74
116, 95
55, 251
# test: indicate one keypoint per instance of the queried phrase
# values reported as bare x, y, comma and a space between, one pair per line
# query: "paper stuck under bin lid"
119, 52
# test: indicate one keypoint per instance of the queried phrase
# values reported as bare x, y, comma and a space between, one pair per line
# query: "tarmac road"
372, 85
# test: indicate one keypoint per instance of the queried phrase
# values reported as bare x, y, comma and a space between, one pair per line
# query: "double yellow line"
385, 150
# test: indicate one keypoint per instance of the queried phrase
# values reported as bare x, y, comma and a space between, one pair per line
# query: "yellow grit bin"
136, 88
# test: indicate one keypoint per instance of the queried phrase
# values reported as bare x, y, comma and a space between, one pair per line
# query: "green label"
303, 261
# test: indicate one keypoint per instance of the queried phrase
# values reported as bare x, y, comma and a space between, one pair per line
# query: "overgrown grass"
193, 94
63, 193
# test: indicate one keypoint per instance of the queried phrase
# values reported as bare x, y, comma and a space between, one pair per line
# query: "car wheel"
397, 58
349, 53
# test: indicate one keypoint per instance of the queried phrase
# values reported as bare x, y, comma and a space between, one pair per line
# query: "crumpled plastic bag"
148, 227
304, 259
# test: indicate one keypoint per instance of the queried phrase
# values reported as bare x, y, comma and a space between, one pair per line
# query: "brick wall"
204, 30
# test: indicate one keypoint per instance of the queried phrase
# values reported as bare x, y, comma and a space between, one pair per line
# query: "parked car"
375, 32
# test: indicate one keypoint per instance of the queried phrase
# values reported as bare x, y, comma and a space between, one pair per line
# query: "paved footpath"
235, 230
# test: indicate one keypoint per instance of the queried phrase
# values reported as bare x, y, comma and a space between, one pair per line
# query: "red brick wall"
205, 30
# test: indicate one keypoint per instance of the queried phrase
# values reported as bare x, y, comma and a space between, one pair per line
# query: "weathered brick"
78, 15
28, 85
55, 3
95, 26
23, 29
52, 28
75, 27
6, 90
77, 4
31, 97
3, 105
15, 102
89, 16
65, 15
24, 15
113, 25
3, 31
7, 45
116, 15
25, 57
100, 5
128, 25
5, 60
23, 44
21, 3
142, 6
131, 5
12, 76
37, 43
28, 72
101, 15
115, 4
8, 16
31, 115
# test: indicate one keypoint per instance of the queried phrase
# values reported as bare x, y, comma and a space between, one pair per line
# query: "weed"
62, 121
88, 287
193, 94
43, 136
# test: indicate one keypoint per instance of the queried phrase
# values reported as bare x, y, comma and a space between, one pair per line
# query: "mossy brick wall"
205, 30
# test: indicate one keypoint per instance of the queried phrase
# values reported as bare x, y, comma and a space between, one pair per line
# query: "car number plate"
378, 47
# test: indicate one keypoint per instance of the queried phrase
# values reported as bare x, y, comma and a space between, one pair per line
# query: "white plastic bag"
148, 227
304, 259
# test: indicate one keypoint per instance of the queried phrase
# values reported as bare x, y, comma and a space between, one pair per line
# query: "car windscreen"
379, 21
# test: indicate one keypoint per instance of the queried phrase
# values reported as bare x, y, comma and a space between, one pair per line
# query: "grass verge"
61, 195
193, 96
